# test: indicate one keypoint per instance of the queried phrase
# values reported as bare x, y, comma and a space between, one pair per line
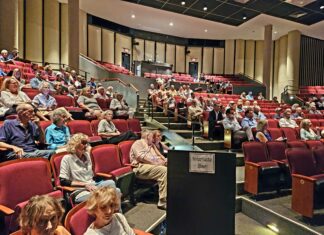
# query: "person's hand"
18, 151
90, 187
280, 139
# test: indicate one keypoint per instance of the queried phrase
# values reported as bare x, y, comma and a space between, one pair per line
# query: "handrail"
193, 123
93, 61
122, 82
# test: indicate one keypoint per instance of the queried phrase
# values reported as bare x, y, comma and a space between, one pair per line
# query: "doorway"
193, 69
126, 60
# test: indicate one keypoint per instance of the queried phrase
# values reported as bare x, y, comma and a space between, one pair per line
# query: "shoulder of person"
60, 230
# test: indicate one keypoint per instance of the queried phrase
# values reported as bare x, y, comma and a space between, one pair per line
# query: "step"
187, 133
161, 119
175, 125
244, 225
155, 114
141, 118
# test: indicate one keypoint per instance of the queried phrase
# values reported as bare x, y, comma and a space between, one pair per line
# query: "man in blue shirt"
57, 134
249, 121
19, 135
250, 96
37, 80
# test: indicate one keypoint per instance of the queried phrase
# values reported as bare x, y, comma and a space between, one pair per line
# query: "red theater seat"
313, 144
275, 133
121, 125
134, 125
83, 126
296, 144
290, 133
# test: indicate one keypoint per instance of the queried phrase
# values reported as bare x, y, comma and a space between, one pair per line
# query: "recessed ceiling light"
321, 7
183, 3
244, 18
133, 16
171, 23
206, 30
205, 8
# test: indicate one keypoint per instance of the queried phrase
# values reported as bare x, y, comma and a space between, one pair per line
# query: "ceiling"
237, 12
183, 25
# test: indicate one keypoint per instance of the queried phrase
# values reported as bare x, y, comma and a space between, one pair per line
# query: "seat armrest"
105, 175
253, 164
67, 188
6, 210
303, 177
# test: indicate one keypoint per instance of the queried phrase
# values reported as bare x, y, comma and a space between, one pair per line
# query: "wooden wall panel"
259, 61
108, 46
275, 90
138, 50
282, 71
229, 56
34, 30
160, 52
180, 57
83, 32
239, 56
64, 34
208, 60
249, 58
21, 27
94, 37
122, 42
149, 50
218, 61
170, 55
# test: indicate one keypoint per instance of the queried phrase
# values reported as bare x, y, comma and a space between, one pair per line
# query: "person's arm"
7, 100
80, 102
104, 130
49, 139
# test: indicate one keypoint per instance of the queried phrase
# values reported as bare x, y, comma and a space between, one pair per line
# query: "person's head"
120, 96
255, 103
16, 73
78, 144
38, 74
256, 109
305, 124
157, 136
247, 103
103, 203
262, 125
108, 115
275, 98
41, 215
260, 94
110, 89
101, 90
299, 110
287, 113
194, 103
44, 88
294, 106
249, 113
10, 84
58, 87
25, 112
4, 53
313, 107
72, 89
231, 103
73, 73
147, 136
230, 113
59, 117
278, 110
250, 93
216, 107
243, 94
172, 87
86, 91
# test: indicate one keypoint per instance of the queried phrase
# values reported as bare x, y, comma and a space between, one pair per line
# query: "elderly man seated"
149, 163
286, 121
20, 136
120, 107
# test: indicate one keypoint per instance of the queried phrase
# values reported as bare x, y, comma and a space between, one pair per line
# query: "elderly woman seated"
44, 102
307, 133
87, 102
120, 107
42, 215
101, 93
106, 201
108, 131
76, 169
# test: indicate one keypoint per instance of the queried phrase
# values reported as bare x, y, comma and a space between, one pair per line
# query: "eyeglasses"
84, 142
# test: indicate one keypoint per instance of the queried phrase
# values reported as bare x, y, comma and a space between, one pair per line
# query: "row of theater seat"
268, 167
21, 179
114, 68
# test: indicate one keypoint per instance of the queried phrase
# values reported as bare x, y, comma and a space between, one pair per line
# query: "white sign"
202, 163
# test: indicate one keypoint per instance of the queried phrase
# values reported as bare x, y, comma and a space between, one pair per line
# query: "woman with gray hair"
58, 134
44, 101
76, 169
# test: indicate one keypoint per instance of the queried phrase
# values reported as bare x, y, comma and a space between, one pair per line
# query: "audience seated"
42, 215
307, 133
263, 134
157, 138
4, 56
44, 102
298, 114
58, 134
76, 169
250, 96
195, 112
313, 109
108, 131
101, 93
249, 121
87, 102
37, 80
149, 163
103, 204
19, 135
286, 120
215, 127
278, 114
120, 107
257, 114
260, 96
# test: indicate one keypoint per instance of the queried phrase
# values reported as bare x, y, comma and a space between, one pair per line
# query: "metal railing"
289, 95
169, 112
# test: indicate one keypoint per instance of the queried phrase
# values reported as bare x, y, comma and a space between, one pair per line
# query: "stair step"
155, 114
174, 125
187, 133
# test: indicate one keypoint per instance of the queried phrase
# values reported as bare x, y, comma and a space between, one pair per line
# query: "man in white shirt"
286, 121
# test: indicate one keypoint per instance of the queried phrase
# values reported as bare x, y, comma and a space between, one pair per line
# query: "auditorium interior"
206, 115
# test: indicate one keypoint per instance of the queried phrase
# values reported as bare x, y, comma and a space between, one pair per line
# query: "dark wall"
311, 70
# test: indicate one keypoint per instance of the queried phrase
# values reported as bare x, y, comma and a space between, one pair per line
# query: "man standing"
215, 129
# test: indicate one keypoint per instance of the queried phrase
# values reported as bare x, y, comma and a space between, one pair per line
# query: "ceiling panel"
174, 8
244, 12
226, 9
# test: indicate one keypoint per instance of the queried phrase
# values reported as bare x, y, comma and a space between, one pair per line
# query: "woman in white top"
306, 133
104, 204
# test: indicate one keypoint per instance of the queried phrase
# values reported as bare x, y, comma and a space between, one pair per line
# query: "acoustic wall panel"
64, 34
83, 32
259, 61
170, 55
94, 46
282, 70
208, 60
149, 50
239, 56
249, 58
138, 50
123, 43
21, 27
34, 30
108, 46
219, 60
160, 52
51, 32
229, 56
180, 57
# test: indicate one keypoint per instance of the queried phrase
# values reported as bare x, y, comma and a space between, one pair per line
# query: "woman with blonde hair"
307, 133
104, 204
42, 216
263, 134
76, 169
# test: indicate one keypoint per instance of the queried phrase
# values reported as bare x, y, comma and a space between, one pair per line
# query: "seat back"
55, 161
44, 124
121, 125
275, 133
319, 157
296, 144
301, 161
102, 104
80, 126
290, 133
313, 144
276, 150
255, 152
21, 179
64, 101
78, 220
94, 126
273, 123
134, 125
124, 149
105, 158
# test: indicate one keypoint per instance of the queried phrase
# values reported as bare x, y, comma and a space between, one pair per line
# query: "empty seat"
307, 182
83, 126
121, 125
313, 144
275, 133
276, 150
261, 174
273, 123
290, 133
134, 125
296, 144
319, 158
